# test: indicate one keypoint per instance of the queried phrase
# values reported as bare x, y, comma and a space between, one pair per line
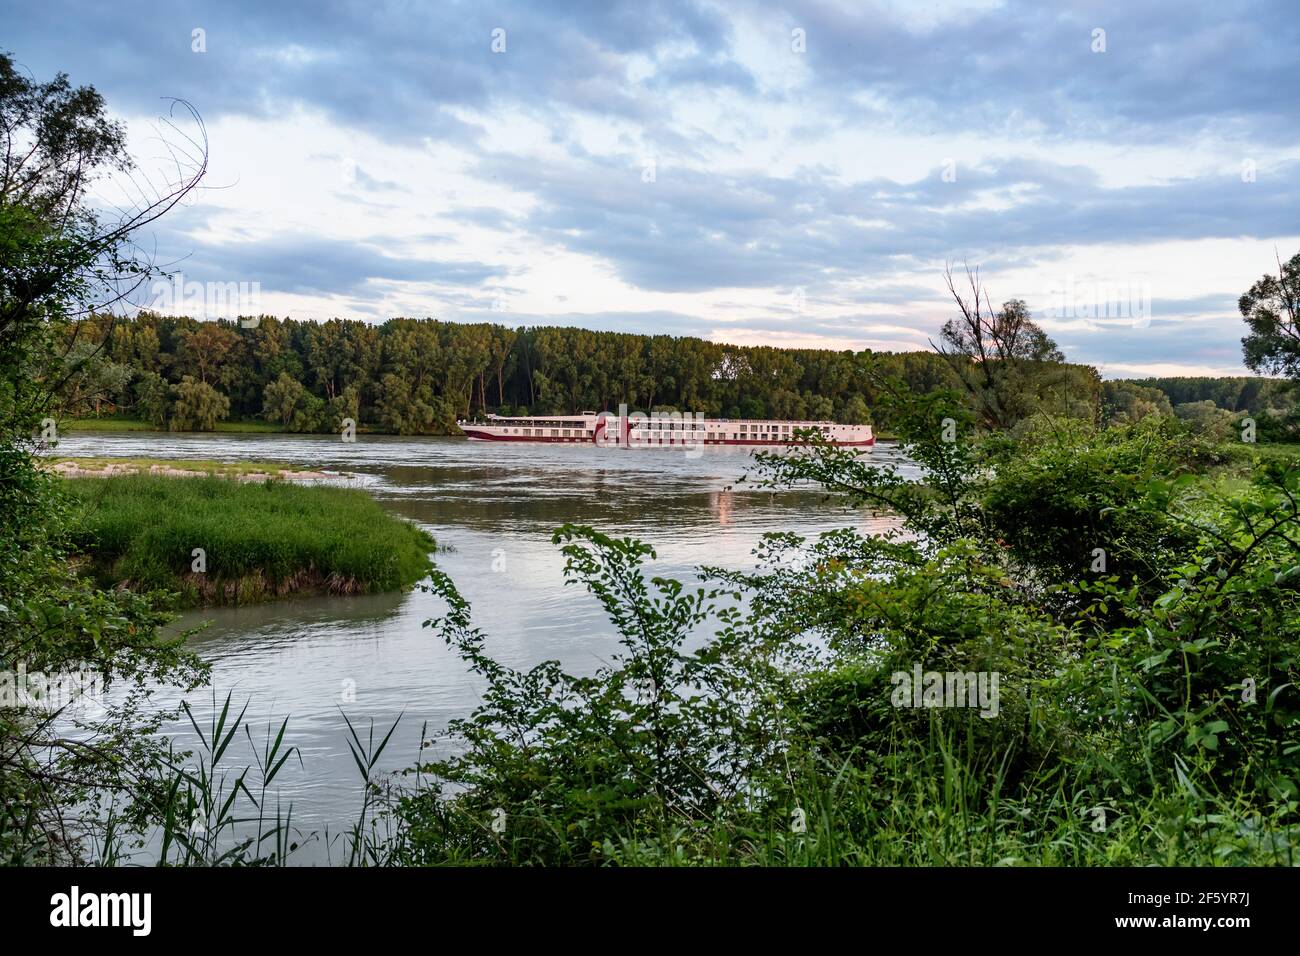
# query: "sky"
793, 175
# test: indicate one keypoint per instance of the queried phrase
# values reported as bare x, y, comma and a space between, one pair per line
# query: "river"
492, 508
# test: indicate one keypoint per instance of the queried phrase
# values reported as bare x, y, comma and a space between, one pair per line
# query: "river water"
492, 508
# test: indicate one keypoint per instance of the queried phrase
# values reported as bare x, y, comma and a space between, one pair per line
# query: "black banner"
946, 907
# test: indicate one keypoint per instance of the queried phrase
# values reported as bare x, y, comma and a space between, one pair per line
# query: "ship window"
555, 433
528, 431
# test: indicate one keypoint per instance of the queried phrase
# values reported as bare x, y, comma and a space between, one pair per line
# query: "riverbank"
171, 468
118, 424
210, 540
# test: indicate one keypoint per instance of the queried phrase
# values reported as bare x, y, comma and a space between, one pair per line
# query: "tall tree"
61, 259
206, 348
1271, 308
995, 353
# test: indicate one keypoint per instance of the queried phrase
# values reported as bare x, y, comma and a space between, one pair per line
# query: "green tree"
854, 412
997, 354
1206, 418
95, 380
1271, 308
282, 399
205, 350
153, 399
1129, 402
400, 410
346, 404
60, 259
197, 406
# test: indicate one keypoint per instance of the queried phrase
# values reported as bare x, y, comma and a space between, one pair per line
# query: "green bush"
1147, 714
1076, 500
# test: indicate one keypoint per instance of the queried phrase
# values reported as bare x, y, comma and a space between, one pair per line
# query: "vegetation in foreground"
1145, 629
258, 540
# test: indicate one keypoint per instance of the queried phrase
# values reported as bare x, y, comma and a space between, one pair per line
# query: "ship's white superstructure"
652, 431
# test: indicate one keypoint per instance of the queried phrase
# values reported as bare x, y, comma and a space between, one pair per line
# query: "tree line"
1234, 393
1212, 406
417, 376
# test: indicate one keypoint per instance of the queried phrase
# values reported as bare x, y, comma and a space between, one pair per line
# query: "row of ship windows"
751, 429
680, 426
588, 433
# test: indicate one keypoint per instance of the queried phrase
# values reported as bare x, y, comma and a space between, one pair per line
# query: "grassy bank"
117, 424
196, 467
257, 541
1266, 451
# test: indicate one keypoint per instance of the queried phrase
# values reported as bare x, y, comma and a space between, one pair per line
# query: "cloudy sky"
745, 172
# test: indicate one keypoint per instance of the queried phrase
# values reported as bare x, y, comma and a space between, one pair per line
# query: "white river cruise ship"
654, 431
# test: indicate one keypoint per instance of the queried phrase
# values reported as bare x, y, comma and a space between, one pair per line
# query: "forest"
417, 376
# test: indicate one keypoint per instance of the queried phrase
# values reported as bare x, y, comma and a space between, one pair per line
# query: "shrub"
1147, 714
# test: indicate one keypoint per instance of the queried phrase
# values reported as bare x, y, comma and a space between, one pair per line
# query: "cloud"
397, 71
307, 265
370, 184
692, 230
823, 169
403, 72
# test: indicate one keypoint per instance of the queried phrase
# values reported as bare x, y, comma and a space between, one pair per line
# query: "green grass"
1271, 451
1238, 460
105, 425
941, 821
221, 469
270, 428
914, 803
260, 540
116, 424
